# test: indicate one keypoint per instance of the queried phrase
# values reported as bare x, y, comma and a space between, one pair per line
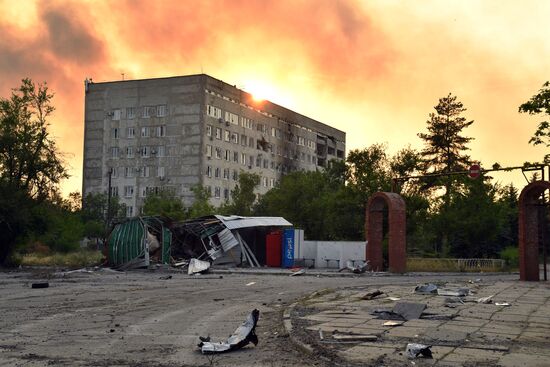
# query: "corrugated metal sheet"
227, 240
236, 222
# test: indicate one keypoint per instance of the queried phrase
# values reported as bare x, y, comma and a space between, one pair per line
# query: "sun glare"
264, 91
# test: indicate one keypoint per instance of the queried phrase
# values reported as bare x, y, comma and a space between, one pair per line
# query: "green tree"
94, 214
165, 204
201, 205
444, 143
539, 104
243, 196
31, 166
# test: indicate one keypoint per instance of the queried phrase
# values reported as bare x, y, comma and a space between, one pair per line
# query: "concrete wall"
332, 250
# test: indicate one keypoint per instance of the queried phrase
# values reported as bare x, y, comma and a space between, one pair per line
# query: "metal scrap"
409, 310
415, 350
242, 336
197, 266
485, 299
428, 288
460, 292
372, 295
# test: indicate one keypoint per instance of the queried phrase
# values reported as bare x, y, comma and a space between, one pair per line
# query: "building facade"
143, 136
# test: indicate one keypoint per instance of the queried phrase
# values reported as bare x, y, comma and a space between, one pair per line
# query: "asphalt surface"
105, 318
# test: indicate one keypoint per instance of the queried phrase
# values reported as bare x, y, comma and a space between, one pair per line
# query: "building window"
235, 138
236, 157
130, 112
301, 141
213, 111
217, 192
128, 172
250, 161
208, 130
232, 118
209, 171
250, 142
114, 133
258, 162
227, 155
264, 181
226, 194
243, 159
144, 152
235, 175
130, 132
129, 211
148, 111
130, 152
266, 163
226, 135
340, 154
209, 190
114, 172
246, 122
114, 152
218, 133
145, 171
115, 114
226, 173
217, 172
161, 110
114, 191
161, 151
161, 131
273, 132
144, 132
218, 153
160, 172
128, 191
208, 150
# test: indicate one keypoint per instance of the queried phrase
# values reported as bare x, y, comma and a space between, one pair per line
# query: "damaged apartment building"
143, 136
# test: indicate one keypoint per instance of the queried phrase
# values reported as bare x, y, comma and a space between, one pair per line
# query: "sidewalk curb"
287, 323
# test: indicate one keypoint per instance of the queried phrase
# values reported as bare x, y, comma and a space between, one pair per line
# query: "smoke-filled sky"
374, 69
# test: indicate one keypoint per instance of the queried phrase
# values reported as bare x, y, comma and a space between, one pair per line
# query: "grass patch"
76, 259
453, 265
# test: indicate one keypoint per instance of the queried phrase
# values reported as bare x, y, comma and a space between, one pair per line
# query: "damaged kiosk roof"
236, 222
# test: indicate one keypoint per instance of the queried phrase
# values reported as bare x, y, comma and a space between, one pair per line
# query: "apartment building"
143, 136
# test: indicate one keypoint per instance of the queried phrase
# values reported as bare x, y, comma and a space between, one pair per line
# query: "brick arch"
529, 230
397, 231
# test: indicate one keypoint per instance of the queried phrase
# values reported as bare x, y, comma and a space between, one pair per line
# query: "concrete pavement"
470, 334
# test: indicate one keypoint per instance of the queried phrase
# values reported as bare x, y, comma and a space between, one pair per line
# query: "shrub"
511, 255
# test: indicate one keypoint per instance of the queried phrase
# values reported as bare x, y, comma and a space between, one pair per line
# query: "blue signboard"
288, 248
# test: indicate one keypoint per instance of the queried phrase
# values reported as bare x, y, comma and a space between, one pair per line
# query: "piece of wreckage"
142, 241
245, 334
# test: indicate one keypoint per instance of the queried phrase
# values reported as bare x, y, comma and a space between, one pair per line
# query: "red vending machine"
273, 250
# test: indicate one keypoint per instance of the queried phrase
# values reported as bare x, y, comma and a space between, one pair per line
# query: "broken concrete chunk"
245, 334
485, 299
416, 350
428, 288
409, 310
197, 266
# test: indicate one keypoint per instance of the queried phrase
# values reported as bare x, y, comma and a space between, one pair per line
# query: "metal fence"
459, 265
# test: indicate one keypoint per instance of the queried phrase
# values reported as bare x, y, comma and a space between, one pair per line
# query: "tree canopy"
539, 104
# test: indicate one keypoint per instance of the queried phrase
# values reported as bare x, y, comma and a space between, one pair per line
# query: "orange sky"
374, 69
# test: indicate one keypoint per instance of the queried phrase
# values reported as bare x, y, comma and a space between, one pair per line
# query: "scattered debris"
428, 288
505, 304
454, 300
433, 316
387, 315
393, 323
461, 292
485, 299
296, 272
197, 266
372, 295
415, 350
40, 285
244, 334
394, 298
166, 277
358, 337
356, 269
321, 336
478, 280
409, 310
181, 263
249, 284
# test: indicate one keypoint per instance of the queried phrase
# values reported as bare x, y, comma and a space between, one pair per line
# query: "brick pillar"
374, 238
397, 231
529, 230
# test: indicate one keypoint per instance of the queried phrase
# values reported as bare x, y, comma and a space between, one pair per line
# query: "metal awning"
236, 222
